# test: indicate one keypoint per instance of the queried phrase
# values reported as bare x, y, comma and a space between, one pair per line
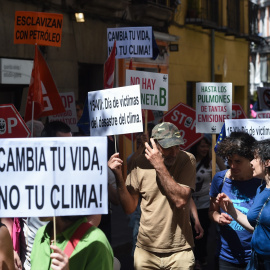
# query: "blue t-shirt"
261, 236
234, 243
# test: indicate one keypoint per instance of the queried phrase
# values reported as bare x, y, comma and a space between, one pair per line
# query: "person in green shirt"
93, 251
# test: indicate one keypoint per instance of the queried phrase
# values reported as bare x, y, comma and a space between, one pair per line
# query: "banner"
131, 42
258, 128
53, 177
38, 28
69, 116
213, 106
154, 88
115, 111
263, 114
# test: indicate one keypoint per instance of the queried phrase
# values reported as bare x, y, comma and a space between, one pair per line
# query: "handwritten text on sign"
131, 42
38, 28
53, 176
213, 106
258, 128
115, 111
154, 88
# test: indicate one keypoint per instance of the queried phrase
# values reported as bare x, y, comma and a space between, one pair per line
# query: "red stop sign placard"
11, 123
184, 117
238, 112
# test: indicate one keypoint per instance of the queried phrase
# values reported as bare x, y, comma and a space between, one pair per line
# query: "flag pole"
213, 155
146, 121
54, 230
33, 109
32, 119
115, 145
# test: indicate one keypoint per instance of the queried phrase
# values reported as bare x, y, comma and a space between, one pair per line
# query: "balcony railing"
161, 3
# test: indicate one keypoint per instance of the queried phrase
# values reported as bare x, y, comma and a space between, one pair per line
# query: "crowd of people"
175, 198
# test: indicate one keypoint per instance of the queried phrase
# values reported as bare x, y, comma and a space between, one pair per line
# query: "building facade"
214, 45
198, 40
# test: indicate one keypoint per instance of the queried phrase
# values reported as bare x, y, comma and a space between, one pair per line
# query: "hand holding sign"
115, 164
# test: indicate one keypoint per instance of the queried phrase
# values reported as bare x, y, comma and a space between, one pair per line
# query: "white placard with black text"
53, 177
115, 111
131, 42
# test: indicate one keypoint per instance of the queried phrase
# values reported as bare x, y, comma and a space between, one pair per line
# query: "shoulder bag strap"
76, 237
223, 181
258, 217
199, 165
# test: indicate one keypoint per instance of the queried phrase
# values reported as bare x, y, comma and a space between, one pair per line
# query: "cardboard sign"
258, 128
131, 42
69, 116
213, 106
115, 111
264, 98
53, 177
11, 123
184, 117
38, 28
154, 88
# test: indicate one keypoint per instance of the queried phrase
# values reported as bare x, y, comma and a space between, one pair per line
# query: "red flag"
109, 69
34, 92
51, 100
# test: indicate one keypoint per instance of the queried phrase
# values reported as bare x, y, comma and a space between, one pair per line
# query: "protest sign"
11, 123
258, 128
184, 117
213, 106
263, 114
264, 98
131, 42
53, 177
69, 116
238, 112
115, 111
38, 28
154, 88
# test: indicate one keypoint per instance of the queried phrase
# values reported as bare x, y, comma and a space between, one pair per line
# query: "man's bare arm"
176, 193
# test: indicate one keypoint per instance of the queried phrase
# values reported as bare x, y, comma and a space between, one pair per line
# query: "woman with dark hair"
257, 219
201, 151
234, 249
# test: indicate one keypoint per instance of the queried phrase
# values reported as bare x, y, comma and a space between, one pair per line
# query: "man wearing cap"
164, 177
